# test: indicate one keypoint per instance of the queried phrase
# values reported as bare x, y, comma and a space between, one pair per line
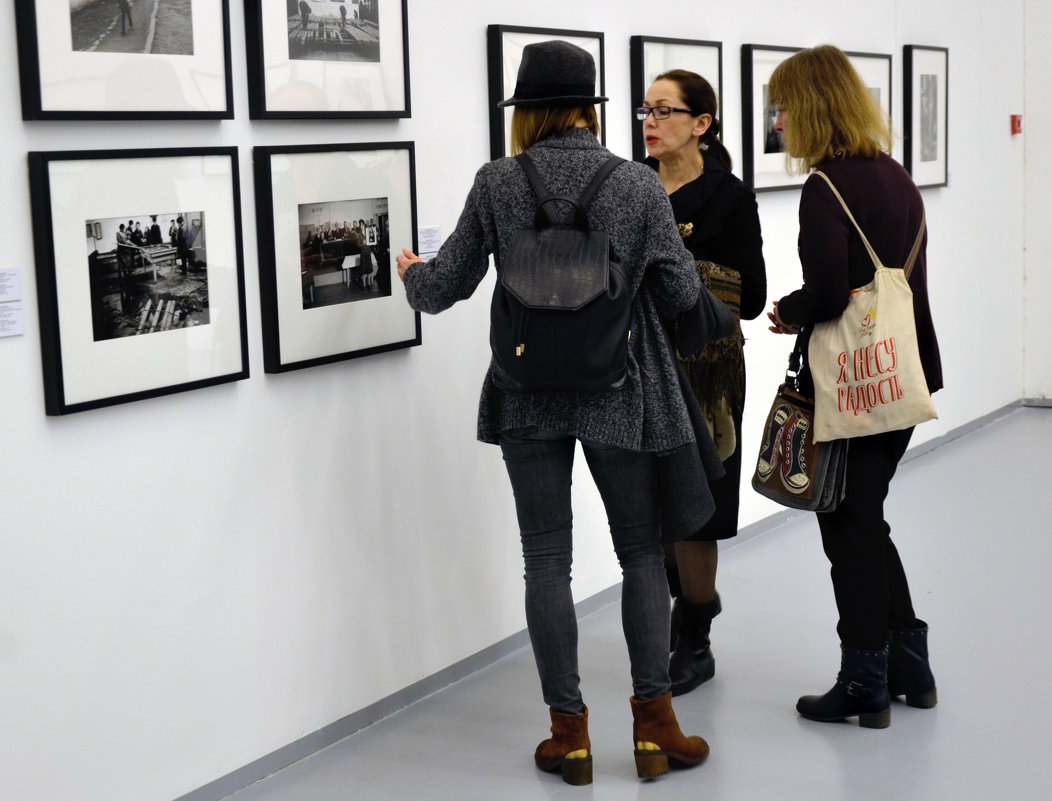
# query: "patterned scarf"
715, 372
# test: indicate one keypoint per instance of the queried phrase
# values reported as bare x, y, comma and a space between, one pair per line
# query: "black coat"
726, 228
720, 222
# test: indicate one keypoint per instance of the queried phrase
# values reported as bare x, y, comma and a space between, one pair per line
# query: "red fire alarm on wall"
1017, 124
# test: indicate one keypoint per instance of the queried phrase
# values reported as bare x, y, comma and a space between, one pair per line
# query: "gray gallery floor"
971, 524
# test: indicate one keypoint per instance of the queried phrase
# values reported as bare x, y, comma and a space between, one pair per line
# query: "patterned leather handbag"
792, 469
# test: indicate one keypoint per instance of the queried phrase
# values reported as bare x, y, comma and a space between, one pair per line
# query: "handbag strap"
869, 248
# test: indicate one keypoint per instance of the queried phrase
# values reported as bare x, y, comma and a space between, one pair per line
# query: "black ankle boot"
861, 689
691, 662
908, 671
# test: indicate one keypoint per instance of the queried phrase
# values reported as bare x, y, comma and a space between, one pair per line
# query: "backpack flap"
557, 268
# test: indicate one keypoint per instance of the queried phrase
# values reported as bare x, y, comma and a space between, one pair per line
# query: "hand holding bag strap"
872, 254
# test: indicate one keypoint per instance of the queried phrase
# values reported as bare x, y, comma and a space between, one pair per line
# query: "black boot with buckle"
691, 662
861, 690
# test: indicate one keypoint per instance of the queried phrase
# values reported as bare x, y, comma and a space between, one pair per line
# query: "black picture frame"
83, 76
504, 45
334, 68
926, 114
763, 166
649, 56
141, 320
329, 289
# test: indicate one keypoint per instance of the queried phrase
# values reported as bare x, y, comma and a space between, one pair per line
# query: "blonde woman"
830, 122
621, 430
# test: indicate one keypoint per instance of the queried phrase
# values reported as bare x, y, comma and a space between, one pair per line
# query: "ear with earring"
711, 132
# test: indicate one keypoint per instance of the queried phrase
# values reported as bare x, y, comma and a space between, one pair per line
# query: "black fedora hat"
554, 73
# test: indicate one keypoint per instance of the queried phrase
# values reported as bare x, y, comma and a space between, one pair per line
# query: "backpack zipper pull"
521, 347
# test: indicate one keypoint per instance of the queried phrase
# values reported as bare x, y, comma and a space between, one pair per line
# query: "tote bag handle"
869, 248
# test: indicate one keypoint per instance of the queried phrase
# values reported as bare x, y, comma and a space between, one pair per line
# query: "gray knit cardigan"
648, 412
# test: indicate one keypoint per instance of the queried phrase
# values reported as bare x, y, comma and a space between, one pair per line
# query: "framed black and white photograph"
875, 71
124, 59
925, 113
504, 47
650, 56
139, 272
327, 58
331, 219
763, 153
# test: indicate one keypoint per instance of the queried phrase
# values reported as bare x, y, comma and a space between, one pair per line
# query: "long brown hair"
700, 98
531, 124
830, 111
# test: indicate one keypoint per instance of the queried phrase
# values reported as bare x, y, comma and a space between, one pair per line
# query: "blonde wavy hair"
830, 111
531, 124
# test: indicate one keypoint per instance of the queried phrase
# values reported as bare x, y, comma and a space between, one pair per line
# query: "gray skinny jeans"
539, 465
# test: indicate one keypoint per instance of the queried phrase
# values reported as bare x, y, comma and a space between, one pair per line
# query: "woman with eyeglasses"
720, 225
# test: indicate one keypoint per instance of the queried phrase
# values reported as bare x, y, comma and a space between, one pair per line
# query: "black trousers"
872, 594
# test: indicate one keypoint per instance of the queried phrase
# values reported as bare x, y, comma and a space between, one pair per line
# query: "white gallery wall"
189, 583
1038, 236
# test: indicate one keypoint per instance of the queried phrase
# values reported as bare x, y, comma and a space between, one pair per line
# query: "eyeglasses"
659, 112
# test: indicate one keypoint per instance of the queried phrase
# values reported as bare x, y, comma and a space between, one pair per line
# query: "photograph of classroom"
345, 251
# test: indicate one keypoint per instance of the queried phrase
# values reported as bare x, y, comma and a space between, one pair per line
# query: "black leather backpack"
561, 307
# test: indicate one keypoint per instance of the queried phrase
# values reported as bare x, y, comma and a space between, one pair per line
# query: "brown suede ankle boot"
568, 751
658, 738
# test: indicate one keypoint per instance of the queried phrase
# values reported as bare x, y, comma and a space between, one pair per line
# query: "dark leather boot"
568, 751
861, 690
659, 740
691, 662
909, 673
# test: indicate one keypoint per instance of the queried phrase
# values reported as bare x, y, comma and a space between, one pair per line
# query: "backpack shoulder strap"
607, 167
544, 214
531, 173
544, 197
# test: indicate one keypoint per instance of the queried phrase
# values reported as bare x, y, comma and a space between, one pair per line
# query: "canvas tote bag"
865, 364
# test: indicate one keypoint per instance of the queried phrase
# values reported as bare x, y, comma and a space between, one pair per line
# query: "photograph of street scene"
148, 273
344, 253
334, 30
159, 27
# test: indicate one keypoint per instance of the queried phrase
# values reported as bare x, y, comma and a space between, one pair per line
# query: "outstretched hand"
405, 260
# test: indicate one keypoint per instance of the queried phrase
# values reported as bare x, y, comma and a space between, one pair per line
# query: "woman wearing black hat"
621, 430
